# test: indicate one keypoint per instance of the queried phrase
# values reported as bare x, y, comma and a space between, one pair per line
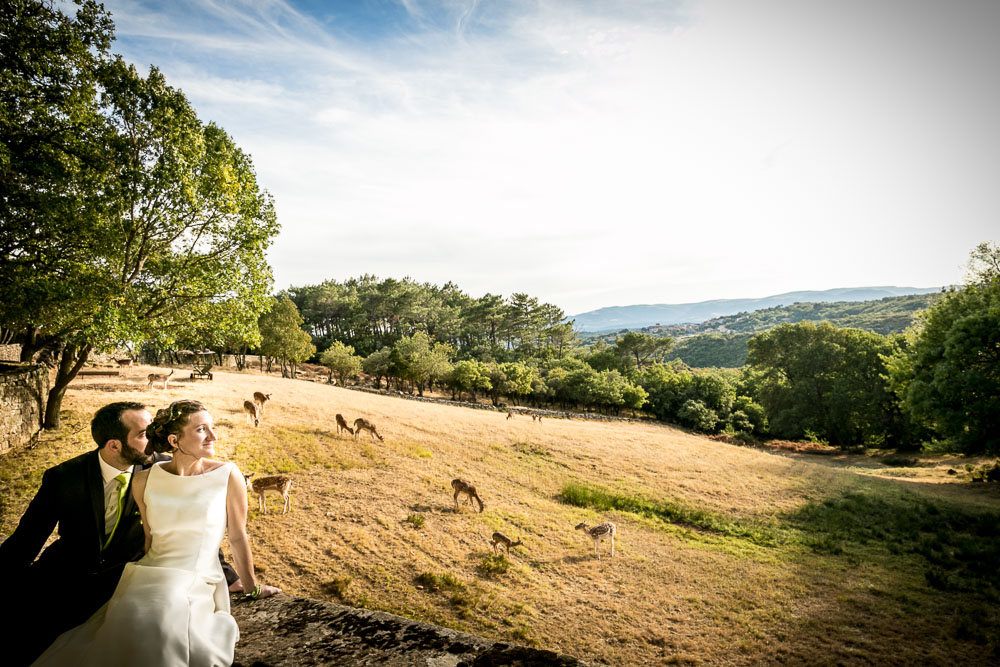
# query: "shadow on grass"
961, 548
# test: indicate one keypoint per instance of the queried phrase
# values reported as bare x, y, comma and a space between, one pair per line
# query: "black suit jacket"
74, 576
72, 497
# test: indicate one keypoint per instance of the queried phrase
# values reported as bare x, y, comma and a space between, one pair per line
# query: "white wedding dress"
170, 608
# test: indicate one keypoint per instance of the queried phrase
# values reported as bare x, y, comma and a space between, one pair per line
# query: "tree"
825, 380
378, 364
949, 379
471, 377
420, 362
340, 359
282, 337
643, 348
142, 219
983, 265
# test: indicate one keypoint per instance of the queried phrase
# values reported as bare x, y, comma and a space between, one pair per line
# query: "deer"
342, 425
510, 414
501, 540
124, 363
275, 484
362, 424
260, 399
159, 377
462, 487
605, 531
252, 411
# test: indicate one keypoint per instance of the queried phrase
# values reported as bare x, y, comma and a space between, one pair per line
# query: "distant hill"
722, 341
616, 318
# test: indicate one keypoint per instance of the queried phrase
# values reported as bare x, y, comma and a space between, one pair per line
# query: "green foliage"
369, 314
415, 520
342, 361
826, 380
949, 379
886, 316
470, 377
125, 218
416, 360
712, 350
281, 335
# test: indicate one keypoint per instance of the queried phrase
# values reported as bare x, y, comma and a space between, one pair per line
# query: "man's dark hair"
107, 422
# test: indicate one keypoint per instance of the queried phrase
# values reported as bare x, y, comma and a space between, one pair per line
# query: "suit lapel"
95, 489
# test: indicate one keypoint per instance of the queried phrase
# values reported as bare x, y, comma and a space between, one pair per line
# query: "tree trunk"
69, 365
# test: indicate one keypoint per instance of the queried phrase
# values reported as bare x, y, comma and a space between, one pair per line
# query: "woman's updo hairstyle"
169, 421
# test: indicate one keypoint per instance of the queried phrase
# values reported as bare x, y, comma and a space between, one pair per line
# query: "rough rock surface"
285, 630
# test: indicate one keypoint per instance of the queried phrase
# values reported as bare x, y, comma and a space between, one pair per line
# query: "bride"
172, 606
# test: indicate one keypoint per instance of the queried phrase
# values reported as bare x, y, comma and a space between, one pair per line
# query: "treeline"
937, 382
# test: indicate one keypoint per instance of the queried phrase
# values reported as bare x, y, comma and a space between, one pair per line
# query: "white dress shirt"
109, 472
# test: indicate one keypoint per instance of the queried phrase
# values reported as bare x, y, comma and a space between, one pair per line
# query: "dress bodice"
187, 518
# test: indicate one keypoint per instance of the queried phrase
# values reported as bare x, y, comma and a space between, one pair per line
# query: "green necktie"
122, 480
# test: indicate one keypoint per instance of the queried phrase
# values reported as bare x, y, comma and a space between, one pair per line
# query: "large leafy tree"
825, 380
144, 221
949, 378
282, 337
340, 359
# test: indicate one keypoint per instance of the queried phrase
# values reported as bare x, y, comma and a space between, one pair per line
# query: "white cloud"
607, 153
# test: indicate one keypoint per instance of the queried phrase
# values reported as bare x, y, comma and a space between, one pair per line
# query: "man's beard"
134, 458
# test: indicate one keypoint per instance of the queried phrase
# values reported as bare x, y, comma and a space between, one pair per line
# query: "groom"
90, 499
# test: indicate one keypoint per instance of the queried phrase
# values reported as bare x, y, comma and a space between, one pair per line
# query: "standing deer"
124, 363
252, 411
159, 377
501, 540
510, 414
260, 399
605, 531
342, 425
362, 424
275, 483
464, 488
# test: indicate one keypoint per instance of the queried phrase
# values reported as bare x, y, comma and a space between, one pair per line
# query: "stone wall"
286, 631
23, 389
10, 352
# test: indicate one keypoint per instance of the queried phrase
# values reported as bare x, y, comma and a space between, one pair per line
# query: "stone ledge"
288, 631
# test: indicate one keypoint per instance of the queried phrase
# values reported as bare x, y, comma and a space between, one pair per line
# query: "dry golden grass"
374, 525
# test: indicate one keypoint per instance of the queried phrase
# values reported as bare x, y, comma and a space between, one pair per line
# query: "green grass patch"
415, 520
960, 548
439, 581
673, 512
493, 564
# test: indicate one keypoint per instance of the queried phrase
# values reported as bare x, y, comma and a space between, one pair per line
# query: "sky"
596, 153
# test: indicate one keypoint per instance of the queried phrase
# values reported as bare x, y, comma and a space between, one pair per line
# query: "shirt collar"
108, 471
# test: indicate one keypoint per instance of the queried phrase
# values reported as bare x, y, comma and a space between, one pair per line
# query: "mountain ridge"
615, 318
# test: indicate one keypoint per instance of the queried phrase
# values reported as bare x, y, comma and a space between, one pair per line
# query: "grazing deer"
362, 424
260, 399
501, 540
342, 425
275, 484
462, 487
252, 411
159, 377
605, 531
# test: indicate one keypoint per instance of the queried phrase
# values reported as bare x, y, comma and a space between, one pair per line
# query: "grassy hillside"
889, 315
724, 554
